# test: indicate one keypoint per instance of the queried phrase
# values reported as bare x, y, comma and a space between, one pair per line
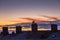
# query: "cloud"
22, 20
50, 18
25, 19
28, 19
31, 19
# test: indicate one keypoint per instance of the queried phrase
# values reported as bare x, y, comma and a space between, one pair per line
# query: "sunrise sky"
17, 11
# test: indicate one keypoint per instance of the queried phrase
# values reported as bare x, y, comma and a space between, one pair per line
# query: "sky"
17, 11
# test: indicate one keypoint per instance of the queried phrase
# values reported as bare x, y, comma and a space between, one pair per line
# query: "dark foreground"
28, 35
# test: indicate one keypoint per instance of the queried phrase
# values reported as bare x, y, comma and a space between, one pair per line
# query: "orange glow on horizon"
26, 19
28, 29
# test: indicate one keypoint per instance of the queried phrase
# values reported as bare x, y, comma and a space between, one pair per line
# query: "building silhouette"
34, 26
5, 31
18, 29
53, 27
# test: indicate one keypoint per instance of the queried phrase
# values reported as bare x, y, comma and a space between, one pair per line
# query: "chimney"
5, 31
53, 27
18, 29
